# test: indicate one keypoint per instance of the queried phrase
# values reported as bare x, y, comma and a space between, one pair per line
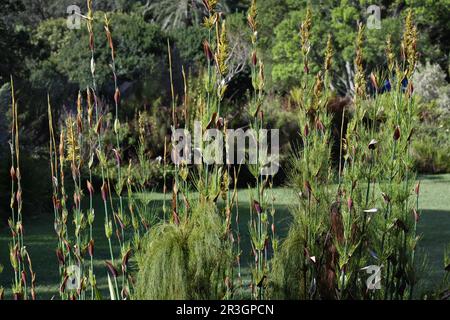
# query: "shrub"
186, 261
431, 85
431, 149
140, 50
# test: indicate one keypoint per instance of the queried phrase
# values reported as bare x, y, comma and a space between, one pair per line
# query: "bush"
431, 150
140, 50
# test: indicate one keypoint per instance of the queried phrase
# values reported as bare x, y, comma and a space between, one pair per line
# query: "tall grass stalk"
18, 252
259, 208
99, 151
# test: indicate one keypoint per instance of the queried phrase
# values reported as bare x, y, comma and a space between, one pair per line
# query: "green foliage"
186, 261
371, 216
432, 21
340, 20
14, 42
431, 150
188, 41
431, 85
139, 48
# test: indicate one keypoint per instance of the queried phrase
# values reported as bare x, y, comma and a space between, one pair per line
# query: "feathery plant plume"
185, 261
91, 212
190, 256
390, 56
360, 82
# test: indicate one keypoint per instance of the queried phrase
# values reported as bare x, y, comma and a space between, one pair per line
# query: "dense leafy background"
44, 56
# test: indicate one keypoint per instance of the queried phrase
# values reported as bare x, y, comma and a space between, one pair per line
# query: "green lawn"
40, 238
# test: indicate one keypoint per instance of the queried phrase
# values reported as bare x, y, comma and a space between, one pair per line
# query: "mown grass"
40, 239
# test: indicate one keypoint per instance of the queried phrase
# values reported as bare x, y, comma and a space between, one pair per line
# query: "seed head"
396, 133
111, 269
117, 96
104, 191
374, 81
207, 51
373, 144
350, 204
306, 131
417, 188
257, 207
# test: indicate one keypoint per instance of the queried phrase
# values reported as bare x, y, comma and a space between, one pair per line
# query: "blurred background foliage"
44, 56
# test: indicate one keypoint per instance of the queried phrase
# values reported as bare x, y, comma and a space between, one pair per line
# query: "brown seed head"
257, 207
396, 133
111, 269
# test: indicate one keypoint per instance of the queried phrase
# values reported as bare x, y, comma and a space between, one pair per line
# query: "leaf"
111, 288
353, 248
98, 294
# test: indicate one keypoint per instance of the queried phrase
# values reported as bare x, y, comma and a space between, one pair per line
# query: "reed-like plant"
23, 286
347, 219
300, 259
82, 141
371, 218
261, 214
190, 256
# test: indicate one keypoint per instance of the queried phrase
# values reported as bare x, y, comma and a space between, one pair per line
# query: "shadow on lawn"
434, 229
435, 177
